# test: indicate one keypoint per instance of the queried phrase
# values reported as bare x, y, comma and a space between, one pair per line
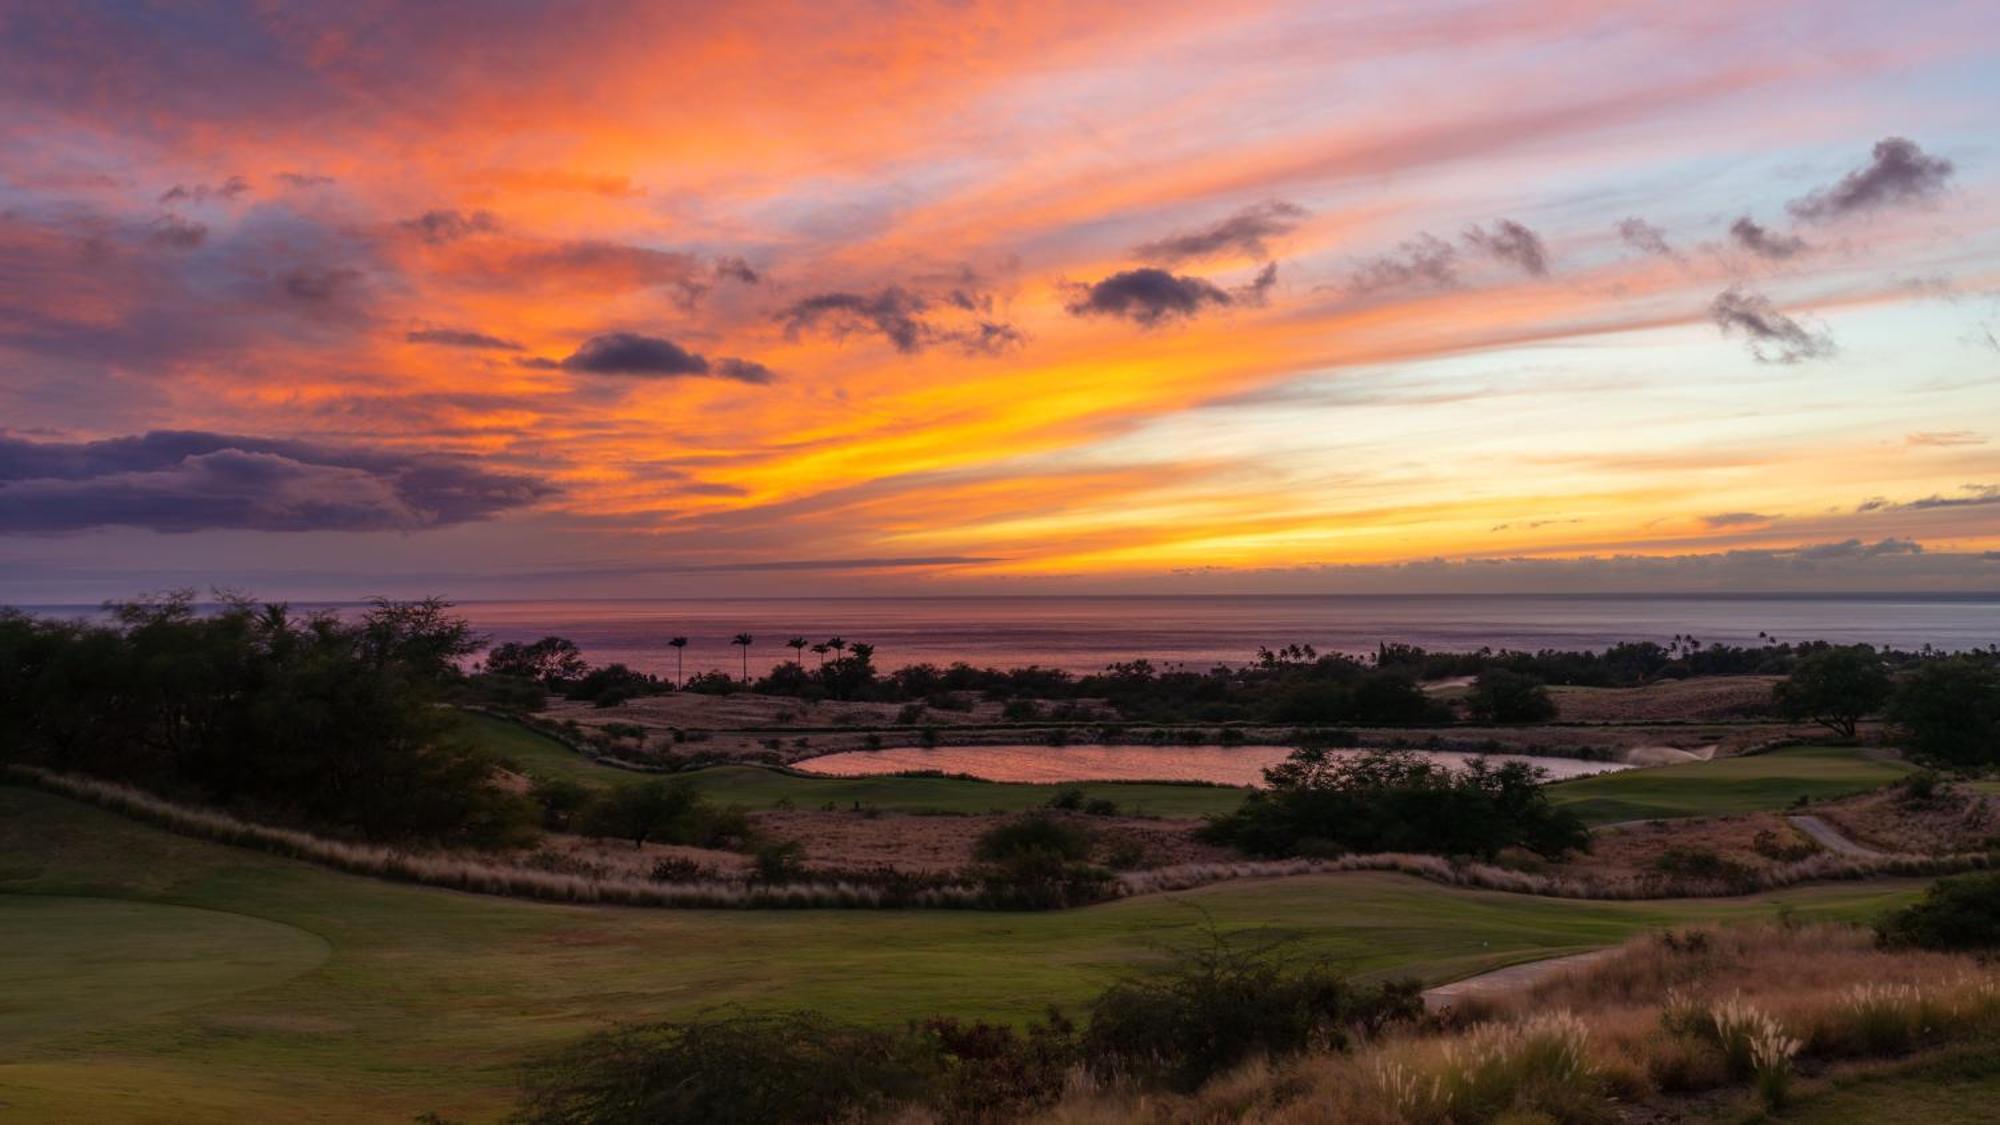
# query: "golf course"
160, 978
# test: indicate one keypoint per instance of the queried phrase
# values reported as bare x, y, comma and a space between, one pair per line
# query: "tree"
1319, 801
744, 641
798, 647
1947, 712
1503, 696
551, 661
679, 645
820, 650
646, 810
316, 719
1835, 686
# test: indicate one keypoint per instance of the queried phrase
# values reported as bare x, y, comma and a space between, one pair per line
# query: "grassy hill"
150, 977
1726, 786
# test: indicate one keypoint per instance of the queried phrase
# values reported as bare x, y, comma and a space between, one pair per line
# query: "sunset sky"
600, 299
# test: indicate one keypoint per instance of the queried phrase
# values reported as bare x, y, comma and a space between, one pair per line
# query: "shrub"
666, 811
560, 799
992, 1068
728, 1069
1948, 712
1700, 863
780, 861
1959, 913
1317, 803
1033, 836
1503, 696
1217, 1004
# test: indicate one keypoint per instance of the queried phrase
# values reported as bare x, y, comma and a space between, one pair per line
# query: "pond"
1225, 765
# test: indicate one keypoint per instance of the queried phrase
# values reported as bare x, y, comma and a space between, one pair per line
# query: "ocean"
1083, 634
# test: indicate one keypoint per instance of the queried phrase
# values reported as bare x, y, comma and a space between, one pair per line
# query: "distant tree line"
313, 719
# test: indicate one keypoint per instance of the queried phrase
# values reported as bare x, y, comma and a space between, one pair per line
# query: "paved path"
1510, 979
1830, 838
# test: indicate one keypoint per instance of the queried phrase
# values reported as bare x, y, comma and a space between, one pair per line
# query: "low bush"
1320, 803
1215, 1005
799, 1067
1033, 836
1960, 913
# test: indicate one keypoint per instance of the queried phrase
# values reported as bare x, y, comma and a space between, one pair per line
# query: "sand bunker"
1667, 755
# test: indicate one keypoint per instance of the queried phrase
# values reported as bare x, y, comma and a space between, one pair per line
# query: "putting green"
82, 964
1726, 786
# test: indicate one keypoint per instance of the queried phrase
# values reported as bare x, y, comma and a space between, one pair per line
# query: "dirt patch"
1951, 821
1703, 699
1756, 842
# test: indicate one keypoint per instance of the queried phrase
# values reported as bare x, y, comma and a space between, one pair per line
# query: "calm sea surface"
1085, 634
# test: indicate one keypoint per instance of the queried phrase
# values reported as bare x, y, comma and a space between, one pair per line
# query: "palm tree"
744, 641
837, 645
798, 647
677, 644
822, 649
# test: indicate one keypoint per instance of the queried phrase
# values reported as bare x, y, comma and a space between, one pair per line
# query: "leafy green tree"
1836, 687
1320, 802
1947, 712
647, 810
551, 661
1499, 695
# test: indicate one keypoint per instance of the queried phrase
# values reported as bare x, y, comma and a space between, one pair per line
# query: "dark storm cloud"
904, 318
1424, 262
1764, 242
1258, 290
460, 338
1856, 549
183, 481
174, 231
1642, 235
1512, 243
440, 227
629, 353
894, 314
230, 188
1245, 232
1147, 296
1899, 172
736, 269
1773, 337
742, 370
320, 284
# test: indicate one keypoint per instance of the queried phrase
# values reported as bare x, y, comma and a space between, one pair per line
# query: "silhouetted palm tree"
837, 645
798, 647
744, 641
822, 648
677, 644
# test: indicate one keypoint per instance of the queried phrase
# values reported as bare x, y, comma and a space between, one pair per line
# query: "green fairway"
758, 787
426, 1000
1726, 786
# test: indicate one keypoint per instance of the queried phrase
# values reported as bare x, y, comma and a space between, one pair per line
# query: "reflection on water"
1228, 765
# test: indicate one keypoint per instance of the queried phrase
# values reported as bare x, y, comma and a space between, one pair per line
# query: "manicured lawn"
426, 1000
1727, 785
760, 788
